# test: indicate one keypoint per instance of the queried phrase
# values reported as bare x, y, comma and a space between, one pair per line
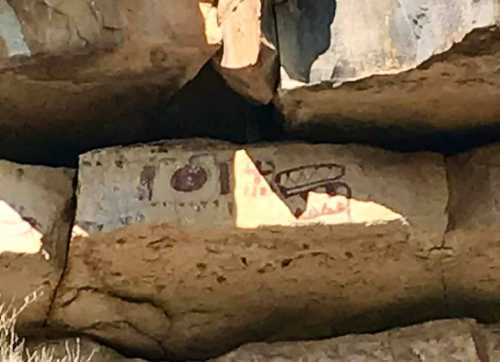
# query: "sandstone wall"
94, 74
186, 249
178, 244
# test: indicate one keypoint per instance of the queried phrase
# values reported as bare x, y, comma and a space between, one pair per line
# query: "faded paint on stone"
178, 187
257, 204
248, 188
11, 31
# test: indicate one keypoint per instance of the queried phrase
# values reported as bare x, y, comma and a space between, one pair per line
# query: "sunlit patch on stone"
213, 32
77, 231
16, 234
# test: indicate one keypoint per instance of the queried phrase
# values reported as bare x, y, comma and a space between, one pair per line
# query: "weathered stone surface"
36, 213
30, 28
248, 59
472, 237
92, 69
402, 65
447, 341
442, 340
139, 33
78, 349
489, 342
188, 249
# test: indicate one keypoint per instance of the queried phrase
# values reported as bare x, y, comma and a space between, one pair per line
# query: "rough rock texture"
446, 341
35, 28
473, 233
138, 33
82, 69
187, 249
81, 347
183, 249
443, 340
79, 74
36, 214
248, 59
207, 106
407, 66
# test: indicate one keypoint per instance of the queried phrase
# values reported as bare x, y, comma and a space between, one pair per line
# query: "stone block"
36, 214
190, 248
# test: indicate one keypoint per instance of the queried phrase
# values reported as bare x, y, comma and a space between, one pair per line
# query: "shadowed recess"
308, 22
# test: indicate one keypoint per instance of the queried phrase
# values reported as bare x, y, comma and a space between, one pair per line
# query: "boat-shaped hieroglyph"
303, 195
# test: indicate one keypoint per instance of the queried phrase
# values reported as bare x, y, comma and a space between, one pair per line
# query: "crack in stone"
442, 247
126, 299
114, 295
480, 344
276, 39
102, 325
444, 287
390, 347
72, 209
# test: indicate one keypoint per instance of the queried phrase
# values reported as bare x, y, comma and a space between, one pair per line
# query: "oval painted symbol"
189, 178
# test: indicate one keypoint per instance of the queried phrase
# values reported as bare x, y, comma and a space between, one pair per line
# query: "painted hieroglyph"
303, 195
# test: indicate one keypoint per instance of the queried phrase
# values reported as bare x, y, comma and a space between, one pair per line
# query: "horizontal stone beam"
188, 249
405, 66
36, 214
